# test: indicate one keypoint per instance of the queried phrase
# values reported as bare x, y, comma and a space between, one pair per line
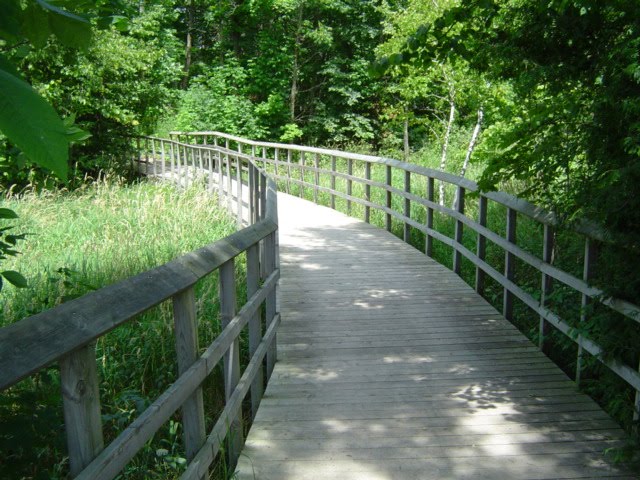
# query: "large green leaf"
32, 124
71, 30
15, 278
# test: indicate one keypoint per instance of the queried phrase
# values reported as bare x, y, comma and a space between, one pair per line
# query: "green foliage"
217, 101
112, 231
25, 118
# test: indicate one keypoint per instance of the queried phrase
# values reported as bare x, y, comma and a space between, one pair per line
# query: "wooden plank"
397, 350
81, 405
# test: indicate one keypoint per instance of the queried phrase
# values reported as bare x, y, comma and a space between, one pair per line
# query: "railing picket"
163, 157
229, 182
389, 181
481, 244
407, 206
590, 255
255, 324
548, 243
173, 162
349, 184
270, 304
153, 155
81, 405
509, 264
428, 248
228, 307
333, 182
210, 170
457, 256
301, 169
367, 192
289, 171
186, 337
276, 160
239, 187
316, 177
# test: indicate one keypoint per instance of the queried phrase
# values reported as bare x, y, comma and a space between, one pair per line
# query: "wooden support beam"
81, 405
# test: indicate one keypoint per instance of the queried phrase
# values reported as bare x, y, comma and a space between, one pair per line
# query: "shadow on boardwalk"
391, 367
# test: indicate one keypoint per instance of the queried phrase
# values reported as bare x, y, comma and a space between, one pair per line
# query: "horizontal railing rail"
67, 333
303, 167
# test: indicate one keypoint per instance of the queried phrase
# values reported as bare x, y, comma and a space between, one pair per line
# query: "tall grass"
82, 241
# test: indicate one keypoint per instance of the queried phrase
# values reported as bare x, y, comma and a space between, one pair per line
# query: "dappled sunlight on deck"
391, 367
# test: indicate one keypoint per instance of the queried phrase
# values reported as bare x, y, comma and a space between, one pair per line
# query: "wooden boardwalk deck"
391, 367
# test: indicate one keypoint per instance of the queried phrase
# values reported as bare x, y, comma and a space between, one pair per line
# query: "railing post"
509, 264
232, 357
367, 192
428, 248
316, 177
186, 335
276, 160
153, 155
349, 184
481, 244
229, 183
162, 154
547, 282
252, 193
288, 171
636, 410
264, 157
333, 182
173, 161
210, 170
590, 255
239, 187
457, 256
389, 180
301, 168
407, 206
81, 405
270, 303
255, 323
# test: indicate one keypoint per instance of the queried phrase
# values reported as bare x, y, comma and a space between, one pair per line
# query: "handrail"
278, 160
67, 333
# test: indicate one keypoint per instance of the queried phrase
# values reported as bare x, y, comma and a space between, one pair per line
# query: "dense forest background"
541, 99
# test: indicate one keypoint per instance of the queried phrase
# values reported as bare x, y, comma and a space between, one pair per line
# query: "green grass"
82, 241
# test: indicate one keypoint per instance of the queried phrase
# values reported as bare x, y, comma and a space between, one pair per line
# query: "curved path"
391, 367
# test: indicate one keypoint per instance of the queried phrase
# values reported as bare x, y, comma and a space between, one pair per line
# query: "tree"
572, 137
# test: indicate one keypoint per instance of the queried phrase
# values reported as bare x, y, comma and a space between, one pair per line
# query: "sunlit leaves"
32, 124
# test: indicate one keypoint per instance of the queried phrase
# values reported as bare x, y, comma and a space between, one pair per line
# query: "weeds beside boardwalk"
82, 241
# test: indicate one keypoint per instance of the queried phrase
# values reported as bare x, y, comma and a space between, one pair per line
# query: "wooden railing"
67, 334
320, 170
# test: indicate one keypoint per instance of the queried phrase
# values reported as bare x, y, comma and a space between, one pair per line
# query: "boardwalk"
391, 367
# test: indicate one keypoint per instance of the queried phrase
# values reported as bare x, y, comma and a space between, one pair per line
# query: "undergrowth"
81, 241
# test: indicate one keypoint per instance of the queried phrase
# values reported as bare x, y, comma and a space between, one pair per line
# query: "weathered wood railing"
319, 170
67, 334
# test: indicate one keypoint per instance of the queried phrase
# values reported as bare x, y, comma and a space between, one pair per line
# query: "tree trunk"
187, 51
295, 69
470, 148
445, 143
472, 142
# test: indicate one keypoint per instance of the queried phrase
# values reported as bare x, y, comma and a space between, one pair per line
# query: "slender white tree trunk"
445, 143
470, 148
472, 142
